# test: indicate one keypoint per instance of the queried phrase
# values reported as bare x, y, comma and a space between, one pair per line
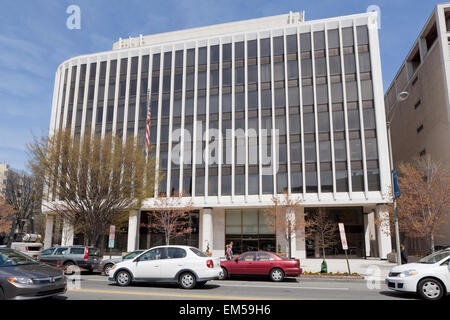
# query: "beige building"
421, 123
3, 171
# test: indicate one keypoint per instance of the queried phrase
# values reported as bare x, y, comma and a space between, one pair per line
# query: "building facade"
243, 111
421, 124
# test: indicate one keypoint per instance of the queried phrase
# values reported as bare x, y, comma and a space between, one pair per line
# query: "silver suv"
87, 258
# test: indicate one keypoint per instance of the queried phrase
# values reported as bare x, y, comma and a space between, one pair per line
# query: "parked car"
261, 263
33, 249
106, 265
187, 266
429, 277
22, 277
87, 258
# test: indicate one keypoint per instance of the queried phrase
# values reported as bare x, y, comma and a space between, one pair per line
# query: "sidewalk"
364, 267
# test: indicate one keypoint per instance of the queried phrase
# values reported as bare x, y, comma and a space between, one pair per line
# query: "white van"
29, 248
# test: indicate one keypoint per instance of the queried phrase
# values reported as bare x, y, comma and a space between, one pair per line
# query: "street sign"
343, 237
344, 243
396, 185
112, 236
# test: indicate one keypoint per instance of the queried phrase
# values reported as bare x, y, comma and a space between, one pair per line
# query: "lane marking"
249, 286
282, 287
171, 294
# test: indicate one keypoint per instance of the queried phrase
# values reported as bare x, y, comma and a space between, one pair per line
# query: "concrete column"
218, 247
67, 234
383, 231
300, 241
206, 229
49, 222
367, 235
133, 230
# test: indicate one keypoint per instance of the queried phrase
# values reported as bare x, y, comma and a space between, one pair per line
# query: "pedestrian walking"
228, 252
403, 254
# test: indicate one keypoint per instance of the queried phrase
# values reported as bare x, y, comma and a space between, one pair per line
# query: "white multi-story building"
317, 82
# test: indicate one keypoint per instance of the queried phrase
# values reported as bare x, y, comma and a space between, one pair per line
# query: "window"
61, 251
262, 256
77, 251
251, 256
198, 252
47, 252
154, 254
175, 253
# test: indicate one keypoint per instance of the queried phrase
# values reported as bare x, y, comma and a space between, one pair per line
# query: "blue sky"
34, 40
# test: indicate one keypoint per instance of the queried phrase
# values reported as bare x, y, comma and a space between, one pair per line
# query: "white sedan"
187, 266
429, 277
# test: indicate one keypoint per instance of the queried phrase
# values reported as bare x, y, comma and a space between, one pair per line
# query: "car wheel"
224, 274
107, 269
187, 280
276, 275
430, 289
123, 278
69, 265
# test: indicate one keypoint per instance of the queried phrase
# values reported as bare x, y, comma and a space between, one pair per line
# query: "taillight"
26, 249
86, 253
209, 263
58, 263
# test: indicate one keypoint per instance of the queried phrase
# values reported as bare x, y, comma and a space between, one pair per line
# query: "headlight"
21, 280
408, 273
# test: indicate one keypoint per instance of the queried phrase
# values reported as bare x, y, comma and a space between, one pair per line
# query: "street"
97, 287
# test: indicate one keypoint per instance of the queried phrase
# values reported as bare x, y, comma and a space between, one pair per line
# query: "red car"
261, 263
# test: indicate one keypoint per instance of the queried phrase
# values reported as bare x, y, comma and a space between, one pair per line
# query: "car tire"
67, 265
123, 278
2, 295
224, 274
276, 275
187, 280
107, 268
430, 289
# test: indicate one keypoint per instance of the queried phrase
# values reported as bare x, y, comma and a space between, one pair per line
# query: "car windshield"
10, 258
132, 255
435, 257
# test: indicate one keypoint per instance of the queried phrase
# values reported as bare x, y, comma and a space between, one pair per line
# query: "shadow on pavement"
261, 278
207, 286
394, 294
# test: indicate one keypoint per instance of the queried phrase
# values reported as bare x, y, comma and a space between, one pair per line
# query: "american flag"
149, 116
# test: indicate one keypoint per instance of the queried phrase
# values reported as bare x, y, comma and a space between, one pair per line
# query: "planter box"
392, 257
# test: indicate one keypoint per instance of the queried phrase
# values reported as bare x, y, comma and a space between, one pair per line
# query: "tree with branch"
23, 195
285, 217
424, 204
170, 216
6, 214
324, 228
92, 181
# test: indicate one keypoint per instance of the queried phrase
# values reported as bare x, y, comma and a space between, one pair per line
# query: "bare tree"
285, 217
424, 203
92, 181
24, 197
170, 216
324, 228
6, 216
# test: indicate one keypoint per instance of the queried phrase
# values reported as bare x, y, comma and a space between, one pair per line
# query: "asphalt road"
97, 287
